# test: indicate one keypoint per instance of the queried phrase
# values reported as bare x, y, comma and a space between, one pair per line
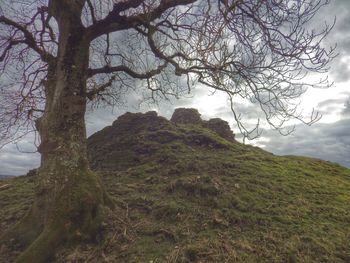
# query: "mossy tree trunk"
68, 196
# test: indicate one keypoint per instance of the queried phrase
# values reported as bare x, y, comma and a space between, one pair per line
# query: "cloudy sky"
328, 139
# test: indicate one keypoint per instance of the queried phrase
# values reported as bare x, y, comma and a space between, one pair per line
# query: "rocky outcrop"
221, 127
121, 145
140, 138
193, 117
186, 116
138, 122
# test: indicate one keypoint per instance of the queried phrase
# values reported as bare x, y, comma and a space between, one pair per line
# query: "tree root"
43, 243
43, 248
73, 216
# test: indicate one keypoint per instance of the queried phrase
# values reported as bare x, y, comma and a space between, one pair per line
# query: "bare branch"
130, 72
114, 21
10, 44
257, 51
28, 38
92, 11
98, 89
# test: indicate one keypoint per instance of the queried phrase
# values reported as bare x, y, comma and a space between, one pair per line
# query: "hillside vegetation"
185, 193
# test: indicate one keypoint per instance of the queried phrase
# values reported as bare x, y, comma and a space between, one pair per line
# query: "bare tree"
57, 56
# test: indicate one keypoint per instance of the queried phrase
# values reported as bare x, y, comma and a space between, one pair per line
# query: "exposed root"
44, 244
43, 248
73, 215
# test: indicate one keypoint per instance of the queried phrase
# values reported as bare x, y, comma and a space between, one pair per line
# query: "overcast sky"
328, 139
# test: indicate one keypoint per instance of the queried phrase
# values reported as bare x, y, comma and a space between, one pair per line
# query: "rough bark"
68, 195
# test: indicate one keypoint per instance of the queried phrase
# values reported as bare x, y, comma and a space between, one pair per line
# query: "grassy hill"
2, 176
186, 194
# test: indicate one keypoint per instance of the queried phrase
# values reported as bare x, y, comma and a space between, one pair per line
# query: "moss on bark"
74, 214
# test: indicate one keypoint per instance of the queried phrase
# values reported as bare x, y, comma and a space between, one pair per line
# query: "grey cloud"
14, 162
249, 112
192, 100
340, 35
341, 70
101, 118
325, 141
346, 111
331, 106
339, 9
224, 113
327, 103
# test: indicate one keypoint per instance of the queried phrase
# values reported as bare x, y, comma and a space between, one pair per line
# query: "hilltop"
187, 191
148, 139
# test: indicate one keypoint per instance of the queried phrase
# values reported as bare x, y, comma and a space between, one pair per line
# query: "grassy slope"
198, 198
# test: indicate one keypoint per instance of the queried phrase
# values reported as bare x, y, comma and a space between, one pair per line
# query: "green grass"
263, 209
186, 195
15, 200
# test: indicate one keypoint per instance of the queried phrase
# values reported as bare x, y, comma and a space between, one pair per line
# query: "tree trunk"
68, 196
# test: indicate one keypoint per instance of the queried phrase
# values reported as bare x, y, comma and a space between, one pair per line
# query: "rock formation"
186, 116
136, 138
192, 116
137, 122
221, 127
